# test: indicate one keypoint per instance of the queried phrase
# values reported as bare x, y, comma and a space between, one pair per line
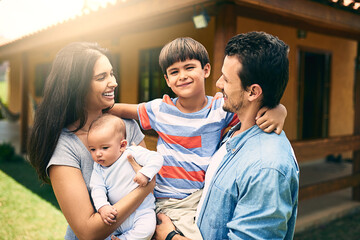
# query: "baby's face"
104, 146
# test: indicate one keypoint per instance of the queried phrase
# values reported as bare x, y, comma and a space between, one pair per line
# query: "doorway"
314, 90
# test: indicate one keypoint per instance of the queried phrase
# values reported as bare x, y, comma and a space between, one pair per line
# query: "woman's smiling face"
103, 84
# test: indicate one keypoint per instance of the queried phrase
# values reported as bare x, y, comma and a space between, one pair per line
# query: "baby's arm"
150, 160
108, 214
98, 194
271, 119
124, 110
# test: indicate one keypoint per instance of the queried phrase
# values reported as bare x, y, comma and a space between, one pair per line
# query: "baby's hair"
181, 49
109, 119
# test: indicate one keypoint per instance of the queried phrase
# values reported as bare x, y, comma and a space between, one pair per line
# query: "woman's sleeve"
65, 153
133, 132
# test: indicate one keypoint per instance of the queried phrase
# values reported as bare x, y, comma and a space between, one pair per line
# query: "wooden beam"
319, 148
356, 155
305, 15
225, 28
333, 185
130, 16
24, 103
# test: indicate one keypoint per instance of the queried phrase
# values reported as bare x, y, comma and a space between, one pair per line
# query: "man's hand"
108, 214
141, 179
164, 226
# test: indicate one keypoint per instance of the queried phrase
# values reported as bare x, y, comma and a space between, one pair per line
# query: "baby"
113, 177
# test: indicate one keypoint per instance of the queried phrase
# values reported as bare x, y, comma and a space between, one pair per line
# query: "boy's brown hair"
181, 49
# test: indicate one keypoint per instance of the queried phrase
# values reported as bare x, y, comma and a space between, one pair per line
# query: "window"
41, 73
151, 83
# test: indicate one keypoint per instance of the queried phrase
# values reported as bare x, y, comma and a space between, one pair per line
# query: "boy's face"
186, 79
105, 148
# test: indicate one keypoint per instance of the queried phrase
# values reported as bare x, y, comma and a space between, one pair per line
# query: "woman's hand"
271, 119
133, 163
137, 167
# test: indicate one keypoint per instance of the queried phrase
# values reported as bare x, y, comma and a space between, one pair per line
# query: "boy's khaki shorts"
182, 212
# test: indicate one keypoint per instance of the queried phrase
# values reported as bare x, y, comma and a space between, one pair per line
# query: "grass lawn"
27, 210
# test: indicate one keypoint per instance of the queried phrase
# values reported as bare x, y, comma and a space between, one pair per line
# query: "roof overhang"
140, 15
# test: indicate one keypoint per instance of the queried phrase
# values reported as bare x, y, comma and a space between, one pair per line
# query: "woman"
79, 88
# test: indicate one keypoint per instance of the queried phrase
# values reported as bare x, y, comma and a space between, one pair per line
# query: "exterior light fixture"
301, 34
202, 19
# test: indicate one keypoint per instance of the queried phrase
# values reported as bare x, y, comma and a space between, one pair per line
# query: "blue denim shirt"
254, 192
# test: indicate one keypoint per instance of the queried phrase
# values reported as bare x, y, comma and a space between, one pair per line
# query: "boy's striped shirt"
186, 141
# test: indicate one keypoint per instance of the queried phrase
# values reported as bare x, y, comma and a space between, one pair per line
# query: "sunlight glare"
22, 17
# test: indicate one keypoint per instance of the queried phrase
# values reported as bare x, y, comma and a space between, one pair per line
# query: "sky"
20, 17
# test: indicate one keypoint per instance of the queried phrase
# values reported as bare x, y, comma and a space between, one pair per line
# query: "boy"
190, 128
113, 176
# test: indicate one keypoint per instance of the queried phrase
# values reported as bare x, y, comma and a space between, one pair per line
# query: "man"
251, 186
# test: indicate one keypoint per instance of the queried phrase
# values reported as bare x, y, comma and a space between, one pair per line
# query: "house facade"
322, 95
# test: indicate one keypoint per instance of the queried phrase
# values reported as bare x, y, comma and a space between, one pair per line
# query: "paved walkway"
312, 212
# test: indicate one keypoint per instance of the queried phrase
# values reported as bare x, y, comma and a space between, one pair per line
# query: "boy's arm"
125, 110
271, 119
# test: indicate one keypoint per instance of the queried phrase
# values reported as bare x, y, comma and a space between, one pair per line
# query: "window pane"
151, 83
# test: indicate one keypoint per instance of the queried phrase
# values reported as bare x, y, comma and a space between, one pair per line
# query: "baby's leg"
143, 226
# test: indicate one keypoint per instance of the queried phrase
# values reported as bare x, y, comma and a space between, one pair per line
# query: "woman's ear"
255, 92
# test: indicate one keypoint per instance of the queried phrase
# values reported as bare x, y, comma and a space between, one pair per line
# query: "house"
322, 96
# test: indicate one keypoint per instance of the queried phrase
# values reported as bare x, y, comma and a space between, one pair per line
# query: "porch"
312, 212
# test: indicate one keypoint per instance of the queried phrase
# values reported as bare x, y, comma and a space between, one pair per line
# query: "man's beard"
234, 108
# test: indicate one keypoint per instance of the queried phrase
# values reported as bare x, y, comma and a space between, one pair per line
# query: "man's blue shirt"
254, 192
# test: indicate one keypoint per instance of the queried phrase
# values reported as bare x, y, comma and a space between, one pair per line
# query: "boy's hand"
141, 179
271, 119
108, 214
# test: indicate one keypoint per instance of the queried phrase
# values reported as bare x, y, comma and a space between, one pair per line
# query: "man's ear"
123, 145
254, 92
207, 69
167, 80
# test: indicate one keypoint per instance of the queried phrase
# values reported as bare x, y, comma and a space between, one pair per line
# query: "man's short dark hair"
264, 60
181, 49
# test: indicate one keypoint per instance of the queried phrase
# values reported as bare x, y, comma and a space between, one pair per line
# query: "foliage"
7, 153
3, 94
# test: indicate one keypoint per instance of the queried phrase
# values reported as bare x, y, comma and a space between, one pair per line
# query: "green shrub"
7, 153
16, 158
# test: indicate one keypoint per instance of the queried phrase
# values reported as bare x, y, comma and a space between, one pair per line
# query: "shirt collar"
233, 143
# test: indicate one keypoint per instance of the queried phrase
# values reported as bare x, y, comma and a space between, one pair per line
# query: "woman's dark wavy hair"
64, 100
181, 49
264, 60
